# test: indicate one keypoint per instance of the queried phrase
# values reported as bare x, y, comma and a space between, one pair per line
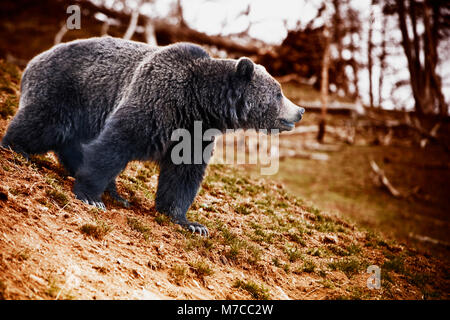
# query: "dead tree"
369, 55
381, 179
133, 22
60, 34
324, 85
425, 82
150, 35
354, 31
382, 59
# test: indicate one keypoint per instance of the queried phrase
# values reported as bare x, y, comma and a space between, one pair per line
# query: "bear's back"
81, 81
93, 71
84, 81
82, 74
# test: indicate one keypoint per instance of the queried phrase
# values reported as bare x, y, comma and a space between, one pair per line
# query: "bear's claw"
196, 227
89, 200
98, 204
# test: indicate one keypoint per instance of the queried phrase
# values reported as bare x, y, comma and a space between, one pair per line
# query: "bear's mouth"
286, 125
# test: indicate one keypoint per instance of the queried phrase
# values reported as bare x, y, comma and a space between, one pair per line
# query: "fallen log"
293, 154
383, 180
432, 135
174, 33
428, 239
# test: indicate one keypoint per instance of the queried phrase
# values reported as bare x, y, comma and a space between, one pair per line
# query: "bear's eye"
279, 95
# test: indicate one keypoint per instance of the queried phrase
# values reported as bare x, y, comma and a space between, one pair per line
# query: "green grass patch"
97, 230
350, 266
139, 226
236, 244
258, 292
162, 219
293, 254
8, 107
395, 263
318, 252
297, 238
309, 266
179, 272
255, 254
198, 243
56, 290
260, 235
58, 196
350, 250
201, 268
244, 209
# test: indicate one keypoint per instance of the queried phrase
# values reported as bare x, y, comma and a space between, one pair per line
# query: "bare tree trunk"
355, 68
431, 58
382, 59
133, 22
150, 36
180, 14
413, 66
369, 56
324, 86
425, 82
105, 28
338, 33
60, 34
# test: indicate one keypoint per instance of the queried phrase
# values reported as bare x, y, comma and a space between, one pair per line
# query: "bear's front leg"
177, 188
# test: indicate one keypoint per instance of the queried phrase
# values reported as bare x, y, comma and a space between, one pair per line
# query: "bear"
100, 103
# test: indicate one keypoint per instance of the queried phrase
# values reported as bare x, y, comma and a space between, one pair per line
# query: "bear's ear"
245, 68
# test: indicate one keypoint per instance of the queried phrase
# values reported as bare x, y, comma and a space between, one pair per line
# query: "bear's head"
261, 103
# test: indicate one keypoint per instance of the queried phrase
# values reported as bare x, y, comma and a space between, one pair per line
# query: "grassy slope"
264, 243
344, 184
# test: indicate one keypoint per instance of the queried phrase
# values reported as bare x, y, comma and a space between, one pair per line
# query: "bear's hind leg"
22, 138
30, 133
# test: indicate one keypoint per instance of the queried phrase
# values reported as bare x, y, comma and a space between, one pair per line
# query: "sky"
266, 17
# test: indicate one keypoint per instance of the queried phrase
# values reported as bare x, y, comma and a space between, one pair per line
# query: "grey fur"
102, 102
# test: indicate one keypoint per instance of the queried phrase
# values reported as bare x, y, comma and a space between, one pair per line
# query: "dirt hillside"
264, 243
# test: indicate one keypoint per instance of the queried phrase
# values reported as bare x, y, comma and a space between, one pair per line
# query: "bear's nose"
300, 112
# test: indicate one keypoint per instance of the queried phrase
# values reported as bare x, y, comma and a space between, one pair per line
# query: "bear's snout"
289, 114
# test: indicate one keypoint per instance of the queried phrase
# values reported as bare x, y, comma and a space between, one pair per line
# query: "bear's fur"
102, 102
